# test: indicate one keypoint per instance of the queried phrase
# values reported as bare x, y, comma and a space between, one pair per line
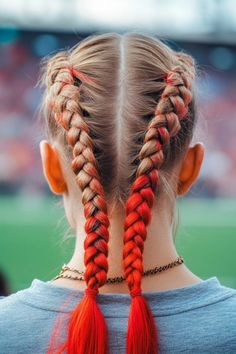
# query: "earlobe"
190, 168
52, 168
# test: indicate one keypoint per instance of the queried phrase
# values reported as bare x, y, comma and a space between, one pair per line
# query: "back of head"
121, 108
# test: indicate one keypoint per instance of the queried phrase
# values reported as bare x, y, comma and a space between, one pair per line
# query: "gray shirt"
198, 318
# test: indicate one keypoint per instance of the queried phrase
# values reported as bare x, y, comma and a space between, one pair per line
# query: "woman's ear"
52, 168
190, 168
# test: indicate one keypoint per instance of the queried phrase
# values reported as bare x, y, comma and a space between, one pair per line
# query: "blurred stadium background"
32, 225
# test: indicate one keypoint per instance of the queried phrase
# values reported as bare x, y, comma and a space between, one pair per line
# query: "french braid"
63, 98
142, 336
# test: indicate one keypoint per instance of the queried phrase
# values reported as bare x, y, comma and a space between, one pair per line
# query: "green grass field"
32, 232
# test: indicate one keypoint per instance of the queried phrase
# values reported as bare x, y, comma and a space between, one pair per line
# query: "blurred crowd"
20, 166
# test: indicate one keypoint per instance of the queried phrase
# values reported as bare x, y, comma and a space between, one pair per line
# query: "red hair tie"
91, 292
135, 292
81, 76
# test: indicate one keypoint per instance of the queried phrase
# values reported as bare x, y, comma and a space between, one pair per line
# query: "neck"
159, 250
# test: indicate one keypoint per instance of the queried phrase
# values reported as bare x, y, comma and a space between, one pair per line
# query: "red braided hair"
142, 335
63, 98
63, 101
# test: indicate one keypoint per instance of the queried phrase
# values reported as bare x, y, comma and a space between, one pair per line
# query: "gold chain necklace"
119, 279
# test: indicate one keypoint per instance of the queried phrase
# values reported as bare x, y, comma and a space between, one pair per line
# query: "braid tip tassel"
87, 329
142, 337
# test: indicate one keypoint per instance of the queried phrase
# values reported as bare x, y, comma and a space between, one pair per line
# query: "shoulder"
13, 307
219, 300
204, 314
226, 297
22, 312
40, 297
13, 298
217, 314
6, 302
26, 307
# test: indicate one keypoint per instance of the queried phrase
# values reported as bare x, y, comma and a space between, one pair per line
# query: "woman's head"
120, 110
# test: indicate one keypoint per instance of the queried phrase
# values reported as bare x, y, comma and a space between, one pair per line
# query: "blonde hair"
122, 108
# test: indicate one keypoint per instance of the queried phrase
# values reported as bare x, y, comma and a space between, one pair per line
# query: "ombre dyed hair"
122, 108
